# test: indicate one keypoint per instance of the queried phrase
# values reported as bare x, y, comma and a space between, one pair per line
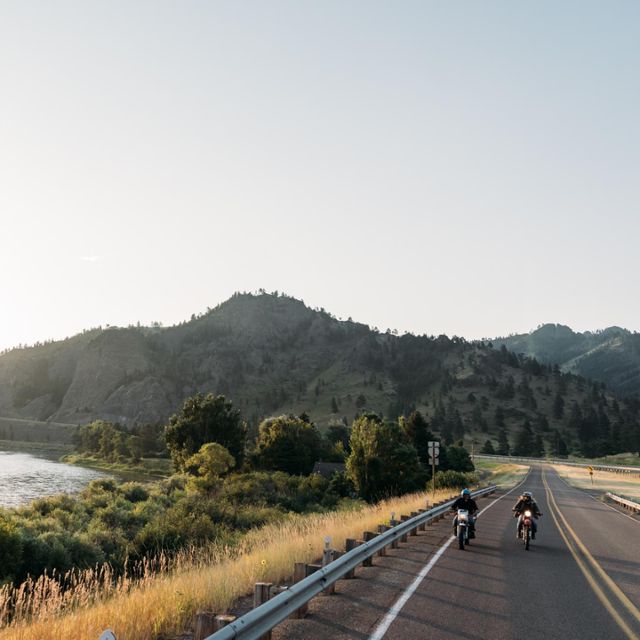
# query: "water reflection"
24, 477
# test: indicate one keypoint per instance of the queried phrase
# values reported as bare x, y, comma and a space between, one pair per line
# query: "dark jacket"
526, 503
465, 503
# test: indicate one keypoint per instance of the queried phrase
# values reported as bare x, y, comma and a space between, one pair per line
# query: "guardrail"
599, 467
260, 621
627, 504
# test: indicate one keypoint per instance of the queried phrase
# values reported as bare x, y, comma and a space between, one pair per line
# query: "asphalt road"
580, 579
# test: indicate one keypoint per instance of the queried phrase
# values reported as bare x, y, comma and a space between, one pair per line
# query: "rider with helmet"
526, 502
465, 501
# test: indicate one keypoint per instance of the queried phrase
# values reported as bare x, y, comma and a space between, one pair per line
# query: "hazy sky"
461, 167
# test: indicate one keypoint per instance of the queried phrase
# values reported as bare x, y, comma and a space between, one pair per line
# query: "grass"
163, 597
622, 459
146, 469
27, 447
504, 474
624, 485
26, 430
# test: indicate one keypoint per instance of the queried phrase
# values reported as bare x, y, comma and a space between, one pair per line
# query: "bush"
11, 548
455, 479
134, 492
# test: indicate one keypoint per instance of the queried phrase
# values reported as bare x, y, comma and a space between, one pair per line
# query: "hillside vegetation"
273, 355
611, 356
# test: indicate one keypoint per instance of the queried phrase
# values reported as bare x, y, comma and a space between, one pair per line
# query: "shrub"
455, 479
134, 492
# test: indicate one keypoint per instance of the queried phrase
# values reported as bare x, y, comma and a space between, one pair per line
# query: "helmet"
465, 492
527, 494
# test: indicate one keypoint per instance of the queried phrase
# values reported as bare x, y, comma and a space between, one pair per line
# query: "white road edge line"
383, 627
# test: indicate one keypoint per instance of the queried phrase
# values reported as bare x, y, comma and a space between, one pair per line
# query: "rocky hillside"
271, 354
266, 352
611, 356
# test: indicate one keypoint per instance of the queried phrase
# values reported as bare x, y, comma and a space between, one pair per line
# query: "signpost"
434, 453
591, 474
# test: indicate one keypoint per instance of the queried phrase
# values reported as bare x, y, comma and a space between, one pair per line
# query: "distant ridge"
611, 356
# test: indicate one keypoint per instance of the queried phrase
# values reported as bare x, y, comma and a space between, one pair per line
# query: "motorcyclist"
465, 501
526, 502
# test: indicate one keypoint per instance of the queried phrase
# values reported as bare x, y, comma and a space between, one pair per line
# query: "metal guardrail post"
381, 529
367, 536
393, 522
350, 545
403, 537
261, 594
204, 625
299, 574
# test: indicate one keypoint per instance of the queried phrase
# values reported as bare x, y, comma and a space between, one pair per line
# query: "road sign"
433, 461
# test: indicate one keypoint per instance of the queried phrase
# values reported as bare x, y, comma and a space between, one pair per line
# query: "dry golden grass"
504, 474
627, 486
164, 599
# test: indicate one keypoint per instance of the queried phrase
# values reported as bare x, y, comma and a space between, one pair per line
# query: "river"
24, 476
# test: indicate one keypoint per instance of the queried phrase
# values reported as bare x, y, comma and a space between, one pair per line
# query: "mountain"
611, 356
271, 354
266, 352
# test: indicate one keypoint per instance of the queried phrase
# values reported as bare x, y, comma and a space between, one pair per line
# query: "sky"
468, 168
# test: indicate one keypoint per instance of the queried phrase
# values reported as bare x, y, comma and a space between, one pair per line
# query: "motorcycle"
526, 528
463, 523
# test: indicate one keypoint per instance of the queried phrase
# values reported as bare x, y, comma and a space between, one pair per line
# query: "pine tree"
503, 443
478, 419
558, 406
457, 426
524, 441
562, 450
487, 448
538, 447
542, 424
417, 430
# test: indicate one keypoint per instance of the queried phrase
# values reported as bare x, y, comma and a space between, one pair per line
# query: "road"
580, 579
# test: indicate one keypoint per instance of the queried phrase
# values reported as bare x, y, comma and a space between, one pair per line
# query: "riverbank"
148, 469
55, 449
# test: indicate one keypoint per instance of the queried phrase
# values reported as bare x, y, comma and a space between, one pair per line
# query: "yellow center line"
631, 608
585, 569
